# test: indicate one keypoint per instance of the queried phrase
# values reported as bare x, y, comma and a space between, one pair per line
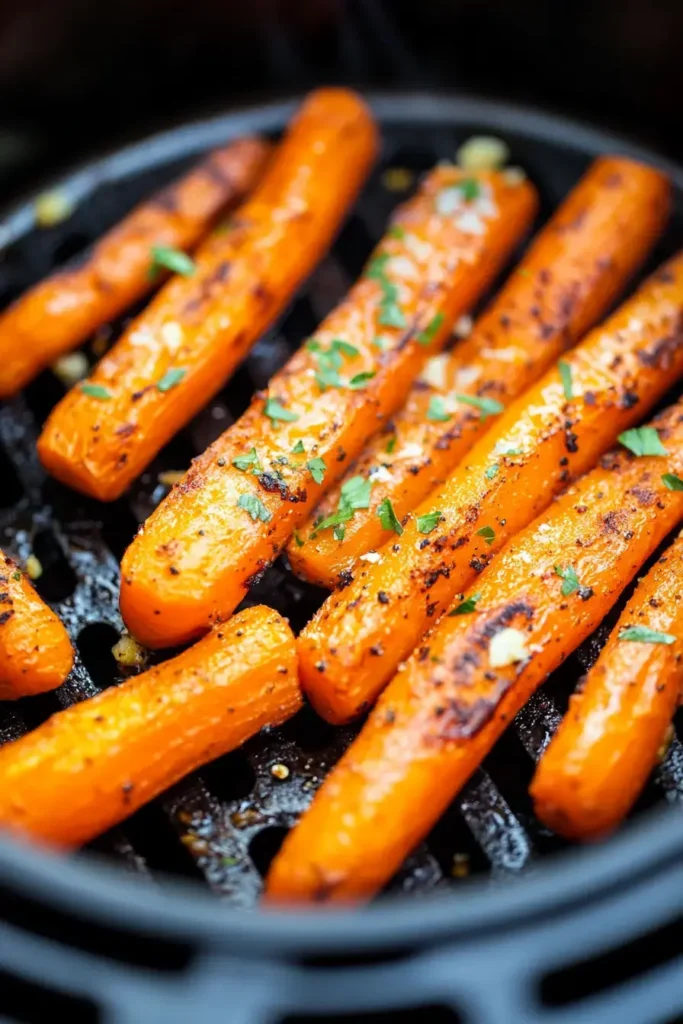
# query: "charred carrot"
62, 311
92, 765
228, 518
440, 716
607, 744
553, 432
35, 651
180, 351
569, 278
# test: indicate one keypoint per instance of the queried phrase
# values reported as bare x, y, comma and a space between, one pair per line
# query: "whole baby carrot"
184, 346
92, 765
607, 744
553, 432
60, 313
225, 522
568, 279
35, 650
440, 716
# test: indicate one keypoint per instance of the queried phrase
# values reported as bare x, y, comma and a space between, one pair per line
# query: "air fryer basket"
582, 935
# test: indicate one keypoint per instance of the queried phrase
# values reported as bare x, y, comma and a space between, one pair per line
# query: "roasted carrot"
607, 744
228, 518
180, 351
92, 765
568, 279
553, 432
35, 651
63, 310
440, 716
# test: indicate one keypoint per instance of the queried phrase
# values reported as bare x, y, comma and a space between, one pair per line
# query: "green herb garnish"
428, 522
673, 482
255, 507
298, 540
427, 336
466, 606
437, 411
570, 581
95, 391
317, 469
396, 231
645, 635
298, 448
642, 441
167, 258
388, 517
486, 406
391, 444
492, 471
565, 372
274, 411
249, 461
488, 533
355, 494
171, 378
391, 315
360, 380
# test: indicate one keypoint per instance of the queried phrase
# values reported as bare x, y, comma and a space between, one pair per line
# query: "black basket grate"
223, 825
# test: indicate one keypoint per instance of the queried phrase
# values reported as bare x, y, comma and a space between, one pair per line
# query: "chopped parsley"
167, 258
358, 382
673, 482
249, 461
16, 575
298, 448
274, 411
388, 517
355, 494
466, 606
565, 372
396, 231
486, 406
391, 444
642, 441
428, 522
488, 533
470, 188
380, 342
171, 378
298, 540
390, 313
330, 361
570, 581
492, 471
645, 635
427, 336
255, 507
317, 469
436, 411
95, 391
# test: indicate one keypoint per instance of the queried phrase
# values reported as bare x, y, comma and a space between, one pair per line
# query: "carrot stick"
354, 643
607, 744
61, 312
180, 351
229, 517
569, 278
440, 716
35, 651
92, 765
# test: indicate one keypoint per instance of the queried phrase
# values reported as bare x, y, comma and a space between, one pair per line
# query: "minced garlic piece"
72, 368
371, 556
483, 153
463, 327
128, 652
507, 647
52, 208
34, 569
170, 477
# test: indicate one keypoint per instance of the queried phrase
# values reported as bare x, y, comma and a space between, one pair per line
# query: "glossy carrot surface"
354, 643
35, 650
569, 278
607, 744
92, 765
225, 522
179, 352
440, 716
60, 313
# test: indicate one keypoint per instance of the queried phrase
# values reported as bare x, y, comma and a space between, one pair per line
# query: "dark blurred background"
78, 76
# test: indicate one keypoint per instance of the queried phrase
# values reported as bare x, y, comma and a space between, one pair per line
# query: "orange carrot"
92, 765
553, 432
231, 514
607, 744
181, 350
440, 716
35, 651
61, 312
569, 278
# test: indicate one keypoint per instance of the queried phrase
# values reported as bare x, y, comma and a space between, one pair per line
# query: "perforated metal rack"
222, 826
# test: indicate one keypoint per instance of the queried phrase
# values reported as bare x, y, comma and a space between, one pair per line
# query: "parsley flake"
255, 507
396, 231
95, 391
565, 372
170, 379
388, 517
436, 411
642, 441
488, 533
470, 188
248, 461
298, 540
317, 469
427, 336
298, 448
358, 382
466, 606
167, 258
492, 471
570, 581
391, 314
645, 635
275, 411
486, 406
355, 494
391, 444
429, 521
673, 482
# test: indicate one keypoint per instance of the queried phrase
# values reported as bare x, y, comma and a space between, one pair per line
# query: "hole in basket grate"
57, 581
11, 491
265, 845
28, 1002
70, 246
620, 965
455, 848
308, 731
230, 777
432, 1014
94, 646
